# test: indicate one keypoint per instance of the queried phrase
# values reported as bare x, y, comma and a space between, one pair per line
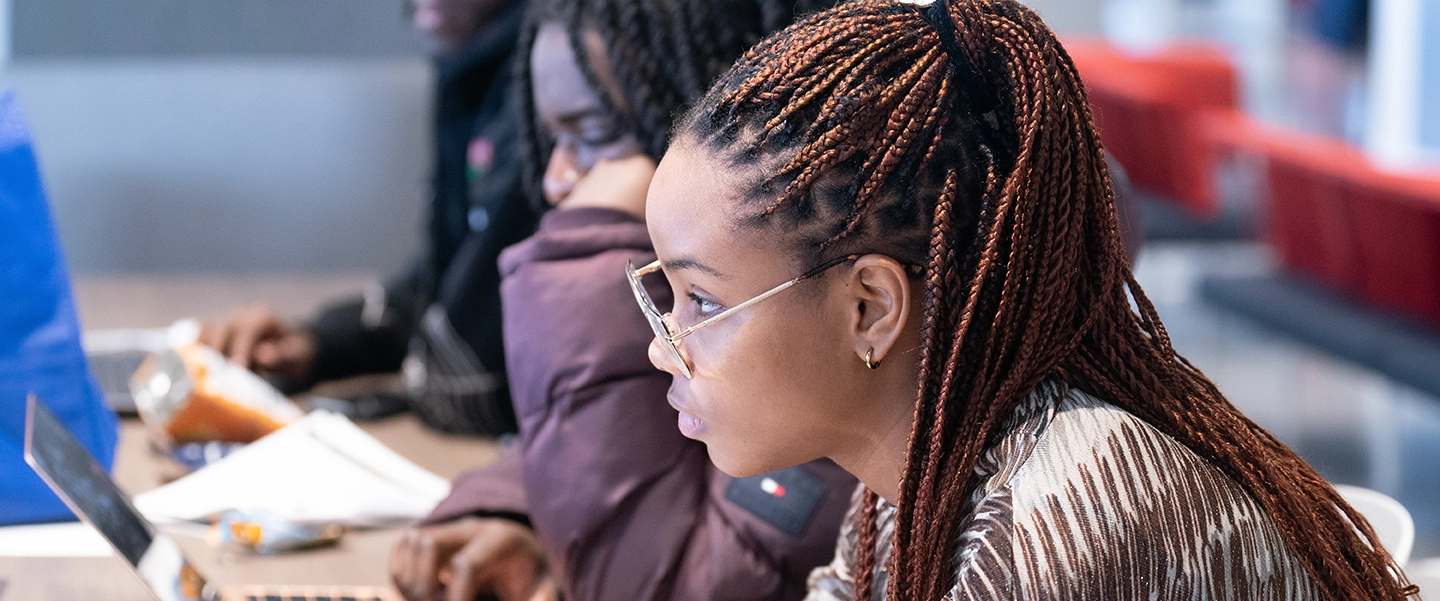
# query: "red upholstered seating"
1330, 213
1311, 192
1334, 216
1150, 111
1397, 226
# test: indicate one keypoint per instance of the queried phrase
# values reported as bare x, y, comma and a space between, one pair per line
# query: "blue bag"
39, 333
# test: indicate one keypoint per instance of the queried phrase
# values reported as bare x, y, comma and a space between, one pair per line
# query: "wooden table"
360, 558
156, 300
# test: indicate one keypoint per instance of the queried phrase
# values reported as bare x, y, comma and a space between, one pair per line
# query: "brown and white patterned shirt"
1082, 500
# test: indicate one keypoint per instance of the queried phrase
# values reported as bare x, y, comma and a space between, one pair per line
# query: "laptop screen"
87, 489
68, 467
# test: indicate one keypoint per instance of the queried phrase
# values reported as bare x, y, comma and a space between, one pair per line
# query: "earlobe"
883, 307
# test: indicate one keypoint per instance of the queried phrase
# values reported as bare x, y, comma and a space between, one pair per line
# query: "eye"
703, 306
600, 138
598, 132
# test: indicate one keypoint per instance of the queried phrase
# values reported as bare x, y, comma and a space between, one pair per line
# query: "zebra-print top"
1081, 500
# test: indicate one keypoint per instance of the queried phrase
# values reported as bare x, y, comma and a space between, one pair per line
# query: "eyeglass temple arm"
772, 292
732, 310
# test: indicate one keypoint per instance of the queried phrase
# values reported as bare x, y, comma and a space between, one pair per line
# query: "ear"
880, 293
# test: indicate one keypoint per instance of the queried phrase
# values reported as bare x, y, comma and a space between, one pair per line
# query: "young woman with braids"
964, 334
601, 498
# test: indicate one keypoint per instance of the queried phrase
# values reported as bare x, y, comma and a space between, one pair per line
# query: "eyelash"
700, 304
600, 139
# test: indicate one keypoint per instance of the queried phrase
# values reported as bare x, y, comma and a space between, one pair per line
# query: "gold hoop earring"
869, 359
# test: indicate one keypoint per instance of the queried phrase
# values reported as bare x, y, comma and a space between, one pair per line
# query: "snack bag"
265, 534
193, 394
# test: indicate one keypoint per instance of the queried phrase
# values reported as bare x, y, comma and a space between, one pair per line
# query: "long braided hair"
665, 54
977, 157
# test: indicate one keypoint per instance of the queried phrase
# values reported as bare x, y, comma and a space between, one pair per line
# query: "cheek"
767, 390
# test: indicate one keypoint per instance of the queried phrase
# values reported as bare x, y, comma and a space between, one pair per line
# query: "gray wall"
232, 165
227, 136
1430, 77
287, 28
1069, 17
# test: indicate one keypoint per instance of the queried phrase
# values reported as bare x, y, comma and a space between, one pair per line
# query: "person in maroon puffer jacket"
602, 498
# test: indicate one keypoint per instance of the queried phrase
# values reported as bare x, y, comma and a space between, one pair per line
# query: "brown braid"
988, 171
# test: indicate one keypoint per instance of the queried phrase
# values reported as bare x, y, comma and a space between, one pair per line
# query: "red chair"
1149, 110
1311, 183
1397, 225
1333, 216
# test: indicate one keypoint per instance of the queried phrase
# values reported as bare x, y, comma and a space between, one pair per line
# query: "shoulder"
1093, 502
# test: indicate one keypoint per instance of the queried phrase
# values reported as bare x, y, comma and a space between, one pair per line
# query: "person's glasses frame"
661, 322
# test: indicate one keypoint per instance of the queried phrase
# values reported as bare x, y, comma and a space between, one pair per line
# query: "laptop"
151, 555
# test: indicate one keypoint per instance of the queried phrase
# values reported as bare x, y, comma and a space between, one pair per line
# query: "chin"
745, 465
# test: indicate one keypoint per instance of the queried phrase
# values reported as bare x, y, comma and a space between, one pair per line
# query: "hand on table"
456, 561
259, 340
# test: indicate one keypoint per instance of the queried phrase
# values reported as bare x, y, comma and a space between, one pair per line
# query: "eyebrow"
575, 116
688, 263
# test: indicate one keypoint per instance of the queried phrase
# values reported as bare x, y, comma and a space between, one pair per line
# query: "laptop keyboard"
112, 371
316, 598
315, 593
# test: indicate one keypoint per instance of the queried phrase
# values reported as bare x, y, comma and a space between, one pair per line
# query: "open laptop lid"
74, 475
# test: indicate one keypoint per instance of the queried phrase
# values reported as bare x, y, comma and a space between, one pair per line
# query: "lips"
675, 401
690, 426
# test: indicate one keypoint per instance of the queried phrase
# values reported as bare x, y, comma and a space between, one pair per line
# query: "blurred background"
1286, 156
183, 137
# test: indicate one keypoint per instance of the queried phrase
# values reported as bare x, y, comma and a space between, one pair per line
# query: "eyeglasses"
669, 332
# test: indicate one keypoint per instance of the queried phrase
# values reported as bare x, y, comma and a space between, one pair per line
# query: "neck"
878, 455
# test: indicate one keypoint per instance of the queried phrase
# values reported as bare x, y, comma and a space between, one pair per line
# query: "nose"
561, 173
662, 359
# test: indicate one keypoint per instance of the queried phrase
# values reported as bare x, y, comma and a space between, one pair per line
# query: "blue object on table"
40, 349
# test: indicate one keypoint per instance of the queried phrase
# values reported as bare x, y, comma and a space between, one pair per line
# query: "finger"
432, 548
499, 560
423, 586
546, 590
397, 562
618, 183
518, 577
630, 165
216, 334
402, 557
450, 537
292, 347
242, 343
473, 568
424, 580
268, 356
210, 333
297, 352
464, 571
220, 334
512, 580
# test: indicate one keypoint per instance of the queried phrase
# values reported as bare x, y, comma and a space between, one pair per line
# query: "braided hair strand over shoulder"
988, 171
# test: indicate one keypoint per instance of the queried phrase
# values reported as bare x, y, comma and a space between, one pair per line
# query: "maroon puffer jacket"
627, 508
